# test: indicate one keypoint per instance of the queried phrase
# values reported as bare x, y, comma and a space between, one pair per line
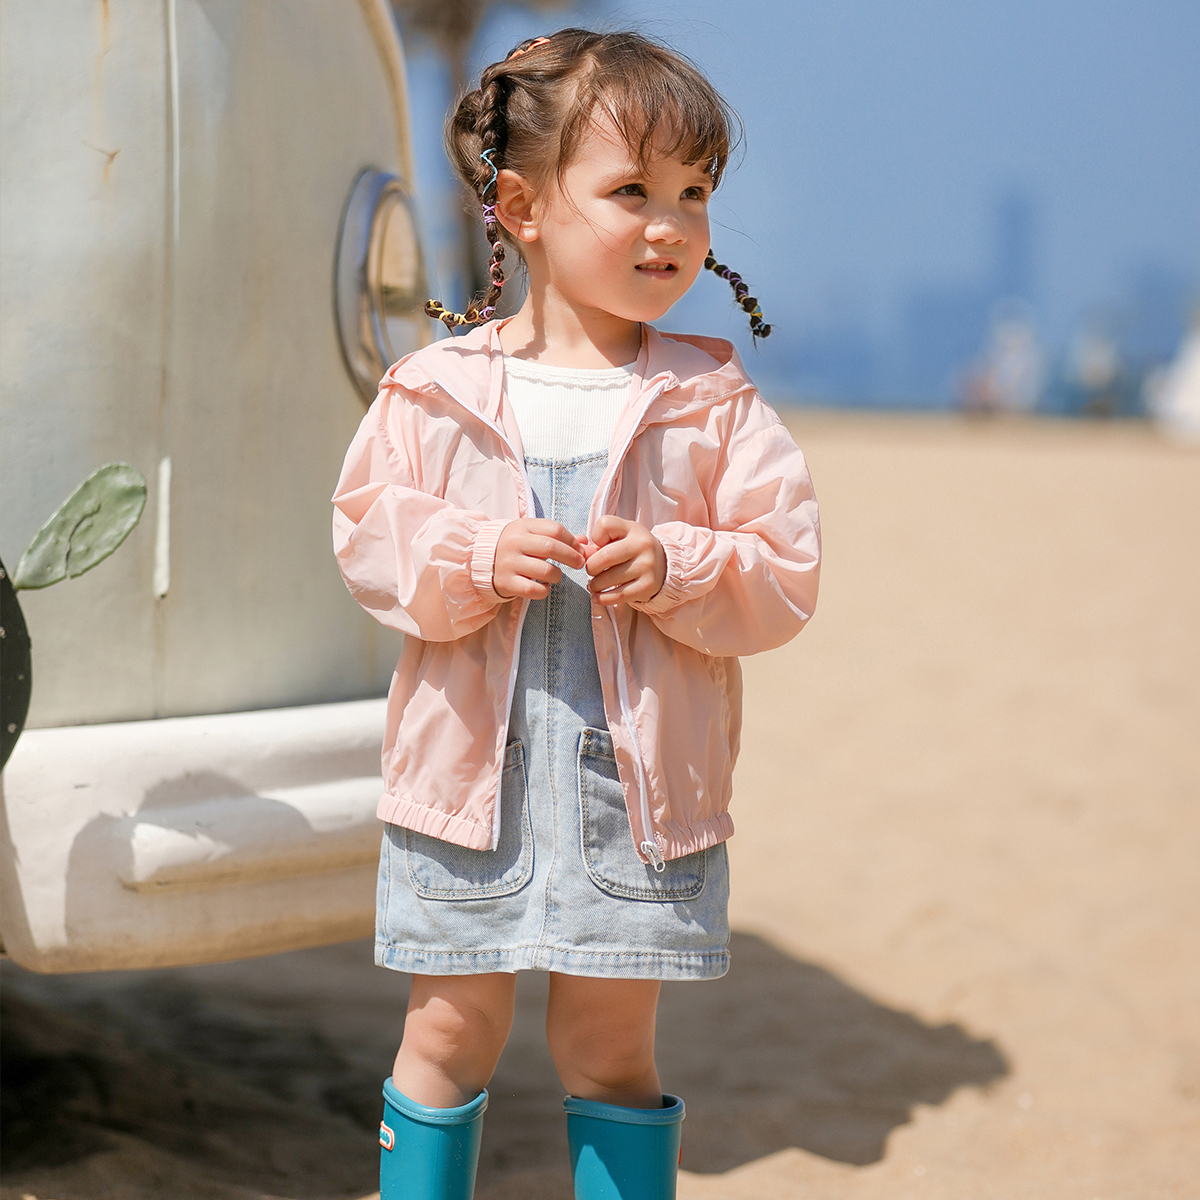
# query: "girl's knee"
450, 1016
611, 1064
602, 1038
617, 1069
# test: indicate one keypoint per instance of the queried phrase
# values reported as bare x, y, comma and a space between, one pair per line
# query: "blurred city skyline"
918, 179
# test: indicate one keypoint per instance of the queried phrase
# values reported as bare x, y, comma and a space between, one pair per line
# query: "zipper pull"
653, 853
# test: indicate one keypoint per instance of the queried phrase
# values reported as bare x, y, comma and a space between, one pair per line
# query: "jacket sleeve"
411, 559
749, 582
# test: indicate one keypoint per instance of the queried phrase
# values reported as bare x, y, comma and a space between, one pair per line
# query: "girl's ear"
514, 206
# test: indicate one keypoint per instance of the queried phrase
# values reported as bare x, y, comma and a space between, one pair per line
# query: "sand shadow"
783, 1053
267, 1072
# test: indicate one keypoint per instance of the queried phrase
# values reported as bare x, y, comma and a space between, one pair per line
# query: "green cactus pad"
91, 523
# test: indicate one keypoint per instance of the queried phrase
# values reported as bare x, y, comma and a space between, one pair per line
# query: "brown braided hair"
532, 110
742, 293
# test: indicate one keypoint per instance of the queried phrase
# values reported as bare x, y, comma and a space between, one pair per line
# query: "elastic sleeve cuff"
483, 561
671, 593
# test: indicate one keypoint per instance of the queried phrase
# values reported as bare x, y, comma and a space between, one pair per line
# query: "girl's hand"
626, 562
523, 569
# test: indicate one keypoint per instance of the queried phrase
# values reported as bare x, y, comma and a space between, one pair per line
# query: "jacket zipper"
649, 846
512, 674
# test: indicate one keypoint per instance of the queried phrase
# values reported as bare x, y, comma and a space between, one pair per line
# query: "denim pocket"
608, 854
441, 870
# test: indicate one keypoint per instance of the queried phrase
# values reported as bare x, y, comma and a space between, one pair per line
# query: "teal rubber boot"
624, 1153
428, 1153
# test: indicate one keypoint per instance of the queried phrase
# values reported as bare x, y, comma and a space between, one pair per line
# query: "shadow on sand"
266, 1074
782, 1053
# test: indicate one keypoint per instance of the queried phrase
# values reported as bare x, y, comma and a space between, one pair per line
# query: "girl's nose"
665, 227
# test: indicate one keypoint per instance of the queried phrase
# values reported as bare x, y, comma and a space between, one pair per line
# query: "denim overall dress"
564, 890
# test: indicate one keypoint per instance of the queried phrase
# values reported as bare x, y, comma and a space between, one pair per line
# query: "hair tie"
525, 49
486, 157
440, 312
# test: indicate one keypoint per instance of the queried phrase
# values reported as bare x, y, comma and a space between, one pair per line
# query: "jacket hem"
420, 818
698, 837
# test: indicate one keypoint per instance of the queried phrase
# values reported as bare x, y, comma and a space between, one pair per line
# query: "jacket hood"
687, 372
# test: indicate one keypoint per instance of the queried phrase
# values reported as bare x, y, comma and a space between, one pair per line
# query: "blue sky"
881, 140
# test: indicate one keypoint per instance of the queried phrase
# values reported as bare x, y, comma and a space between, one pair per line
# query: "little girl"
580, 524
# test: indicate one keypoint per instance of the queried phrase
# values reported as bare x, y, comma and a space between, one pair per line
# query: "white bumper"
191, 839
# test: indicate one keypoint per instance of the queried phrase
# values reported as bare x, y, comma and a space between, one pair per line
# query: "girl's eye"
696, 193
630, 189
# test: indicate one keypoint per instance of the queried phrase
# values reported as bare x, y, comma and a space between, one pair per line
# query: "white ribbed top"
565, 412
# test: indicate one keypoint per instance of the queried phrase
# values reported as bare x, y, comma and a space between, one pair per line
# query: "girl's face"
623, 240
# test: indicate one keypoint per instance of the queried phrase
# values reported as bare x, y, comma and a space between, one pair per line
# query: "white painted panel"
142, 322
279, 108
83, 189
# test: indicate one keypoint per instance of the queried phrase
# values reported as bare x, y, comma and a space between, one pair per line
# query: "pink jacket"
435, 472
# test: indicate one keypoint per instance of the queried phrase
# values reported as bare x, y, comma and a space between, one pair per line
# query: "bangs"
658, 103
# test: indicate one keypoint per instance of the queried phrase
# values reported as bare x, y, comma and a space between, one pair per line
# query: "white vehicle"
209, 259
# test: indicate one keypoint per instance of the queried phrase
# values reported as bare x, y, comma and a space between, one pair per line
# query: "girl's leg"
601, 1036
454, 1032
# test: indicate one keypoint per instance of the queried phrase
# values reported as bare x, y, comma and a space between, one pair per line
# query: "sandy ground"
966, 891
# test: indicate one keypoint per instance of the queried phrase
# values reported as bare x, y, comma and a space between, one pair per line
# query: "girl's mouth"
657, 268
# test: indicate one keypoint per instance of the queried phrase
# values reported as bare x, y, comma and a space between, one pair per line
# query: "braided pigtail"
491, 126
493, 133
758, 327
